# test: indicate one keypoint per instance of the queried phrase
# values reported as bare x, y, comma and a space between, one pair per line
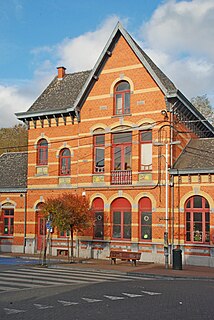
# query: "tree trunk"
44, 263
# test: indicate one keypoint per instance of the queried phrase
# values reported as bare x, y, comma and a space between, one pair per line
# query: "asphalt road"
122, 297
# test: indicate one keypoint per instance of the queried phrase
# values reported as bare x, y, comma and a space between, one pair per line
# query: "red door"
41, 232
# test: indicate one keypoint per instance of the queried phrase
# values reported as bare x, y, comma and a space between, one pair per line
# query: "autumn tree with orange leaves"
69, 212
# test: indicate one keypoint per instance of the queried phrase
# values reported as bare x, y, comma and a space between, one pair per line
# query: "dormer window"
122, 98
42, 152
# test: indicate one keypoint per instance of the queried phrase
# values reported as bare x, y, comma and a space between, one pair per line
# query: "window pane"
127, 217
146, 156
119, 104
98, 228
188, 226
206, 204
117, 158
197, 202
188, 238
116, 231
146, 218
127, 232
99, 155
188, 204
116, 217
122, 86
188, 216
127, 103
197, 216
120, 138
146, 136
127, 158
146, 233
100, 140
207, 217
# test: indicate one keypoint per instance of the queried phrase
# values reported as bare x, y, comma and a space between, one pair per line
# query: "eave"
177, 172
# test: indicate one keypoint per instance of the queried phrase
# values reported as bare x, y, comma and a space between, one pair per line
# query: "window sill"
122, 115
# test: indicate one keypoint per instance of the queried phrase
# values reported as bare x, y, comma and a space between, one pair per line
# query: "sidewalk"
147, 269
142, 268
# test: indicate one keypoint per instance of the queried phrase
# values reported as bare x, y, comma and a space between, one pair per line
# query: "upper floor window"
121, 158
42, 152
122, 98
65, 162
146, 150
8, 221
99, 153
197, 213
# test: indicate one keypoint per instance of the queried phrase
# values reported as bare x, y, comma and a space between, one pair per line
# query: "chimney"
61, 72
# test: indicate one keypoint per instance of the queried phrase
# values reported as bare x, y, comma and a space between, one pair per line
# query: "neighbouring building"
123, 135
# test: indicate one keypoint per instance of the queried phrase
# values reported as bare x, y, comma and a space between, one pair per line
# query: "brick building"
123, 135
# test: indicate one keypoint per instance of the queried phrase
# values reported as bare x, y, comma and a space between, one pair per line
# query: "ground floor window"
98, 208
197, 212
8, 221
121, 219
145, 210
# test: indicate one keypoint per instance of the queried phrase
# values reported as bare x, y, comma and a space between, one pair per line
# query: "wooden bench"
124, 255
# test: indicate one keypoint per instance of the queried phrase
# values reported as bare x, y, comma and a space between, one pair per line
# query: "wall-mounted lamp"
83, 193
165, 114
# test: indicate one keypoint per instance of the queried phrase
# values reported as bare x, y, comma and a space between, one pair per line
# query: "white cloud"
81, 53
12, 99
179, 37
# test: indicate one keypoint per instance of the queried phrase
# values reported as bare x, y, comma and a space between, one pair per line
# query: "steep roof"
60, 94
13, 171
66, 96
198, 156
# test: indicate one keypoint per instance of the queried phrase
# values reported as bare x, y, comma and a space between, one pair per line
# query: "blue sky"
37, 36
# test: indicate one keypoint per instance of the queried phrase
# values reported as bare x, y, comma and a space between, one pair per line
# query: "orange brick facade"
97, 116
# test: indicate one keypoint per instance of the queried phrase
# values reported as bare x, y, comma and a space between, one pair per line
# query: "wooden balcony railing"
121, 177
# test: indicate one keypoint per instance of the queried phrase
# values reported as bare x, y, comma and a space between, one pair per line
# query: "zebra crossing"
37, 277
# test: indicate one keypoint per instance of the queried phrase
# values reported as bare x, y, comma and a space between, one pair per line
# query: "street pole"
166, 233
166, 248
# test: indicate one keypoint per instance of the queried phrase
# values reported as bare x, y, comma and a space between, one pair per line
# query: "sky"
38, 36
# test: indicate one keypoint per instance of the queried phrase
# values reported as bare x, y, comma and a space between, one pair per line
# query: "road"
29, 293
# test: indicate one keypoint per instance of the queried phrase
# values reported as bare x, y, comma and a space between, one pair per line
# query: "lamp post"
166, 233
25, 218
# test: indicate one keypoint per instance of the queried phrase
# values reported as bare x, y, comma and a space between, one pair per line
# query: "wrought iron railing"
121, 177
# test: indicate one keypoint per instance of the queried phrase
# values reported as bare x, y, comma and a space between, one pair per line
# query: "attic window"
122, 98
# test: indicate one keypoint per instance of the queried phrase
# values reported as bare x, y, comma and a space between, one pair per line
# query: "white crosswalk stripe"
33, 277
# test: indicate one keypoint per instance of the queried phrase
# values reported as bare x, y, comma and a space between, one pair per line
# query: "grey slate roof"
13, 170
197, 155
60, 94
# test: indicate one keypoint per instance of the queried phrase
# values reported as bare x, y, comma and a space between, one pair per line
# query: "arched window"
197, 212
8, 219
122, 98
121, 219
65, 162
42, 152
145, 210
98, 209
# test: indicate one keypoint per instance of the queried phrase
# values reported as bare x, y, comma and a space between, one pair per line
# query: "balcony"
119, 177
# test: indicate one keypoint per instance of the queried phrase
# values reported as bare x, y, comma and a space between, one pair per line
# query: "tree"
204, 106
13, 139
69, 212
